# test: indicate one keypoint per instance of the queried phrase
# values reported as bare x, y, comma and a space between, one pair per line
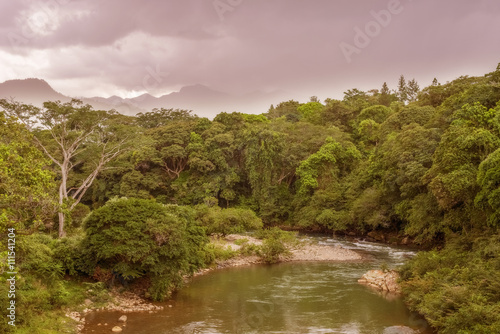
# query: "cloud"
126, 46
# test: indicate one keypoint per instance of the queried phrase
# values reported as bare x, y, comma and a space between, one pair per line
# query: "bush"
250, 249
41, 291
67, 252
135, 238
228, 221
78, 215
219, 252
36, 255
276, 244
96, 292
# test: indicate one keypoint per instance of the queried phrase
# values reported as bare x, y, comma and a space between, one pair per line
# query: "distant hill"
203, 100
30, 91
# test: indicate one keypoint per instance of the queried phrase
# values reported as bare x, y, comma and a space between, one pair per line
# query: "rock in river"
399, 330
382, 280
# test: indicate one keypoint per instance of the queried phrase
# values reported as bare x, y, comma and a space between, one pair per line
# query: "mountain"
30, 91
203, 100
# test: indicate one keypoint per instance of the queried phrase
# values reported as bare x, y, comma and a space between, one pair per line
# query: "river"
305, 297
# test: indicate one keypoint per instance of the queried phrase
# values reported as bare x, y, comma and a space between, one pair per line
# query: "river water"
315, 297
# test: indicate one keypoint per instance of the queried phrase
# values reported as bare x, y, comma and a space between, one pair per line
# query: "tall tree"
412, 90
385, 98
67, 133
402, 89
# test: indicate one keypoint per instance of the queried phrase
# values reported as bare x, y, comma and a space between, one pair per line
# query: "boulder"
405, 241
116, 329
123, 318
399, 330
382, 280
377, 236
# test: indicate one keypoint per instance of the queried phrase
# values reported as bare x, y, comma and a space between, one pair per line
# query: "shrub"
142, 238
67, 252
37, 256
219, 252
78, 215
41, 291
276, 244
227, 221
250, 249
241, 242
96, 292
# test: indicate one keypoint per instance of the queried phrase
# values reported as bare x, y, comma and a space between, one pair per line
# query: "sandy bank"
305, 251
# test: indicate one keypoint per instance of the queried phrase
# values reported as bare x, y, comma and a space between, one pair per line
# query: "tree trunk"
62, 234
62, 196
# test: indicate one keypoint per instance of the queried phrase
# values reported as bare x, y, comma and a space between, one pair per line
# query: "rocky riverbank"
125, 302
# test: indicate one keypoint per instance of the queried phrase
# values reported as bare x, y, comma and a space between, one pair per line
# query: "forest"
94, 195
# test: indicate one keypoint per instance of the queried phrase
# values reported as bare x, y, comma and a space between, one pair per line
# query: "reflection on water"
284, 298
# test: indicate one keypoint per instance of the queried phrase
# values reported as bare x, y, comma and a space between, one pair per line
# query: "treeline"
373, 161
407, 162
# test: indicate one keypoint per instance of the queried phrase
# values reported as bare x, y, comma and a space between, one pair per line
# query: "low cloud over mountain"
203, 100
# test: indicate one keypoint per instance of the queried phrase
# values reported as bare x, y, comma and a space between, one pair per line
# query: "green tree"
26, 184
378, 113
67, 132
287, 109
386, 97
333, 153
161, 117
171, 142
135, 238
311, 112
339, 114
488, 178
356, 99
412, 90
402, 89
452, 179
262, 149
227, 221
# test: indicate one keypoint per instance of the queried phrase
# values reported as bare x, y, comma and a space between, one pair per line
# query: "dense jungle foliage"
96, 196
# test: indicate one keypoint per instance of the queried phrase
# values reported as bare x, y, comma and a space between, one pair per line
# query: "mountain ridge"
201, 99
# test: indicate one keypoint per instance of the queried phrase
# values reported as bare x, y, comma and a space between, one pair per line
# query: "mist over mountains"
202, 100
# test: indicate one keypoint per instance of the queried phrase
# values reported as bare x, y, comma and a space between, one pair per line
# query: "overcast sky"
306, 47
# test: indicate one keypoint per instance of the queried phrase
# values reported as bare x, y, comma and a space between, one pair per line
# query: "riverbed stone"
382, 280
405, 241
377, 236
123, 318
399, 330
116, 329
